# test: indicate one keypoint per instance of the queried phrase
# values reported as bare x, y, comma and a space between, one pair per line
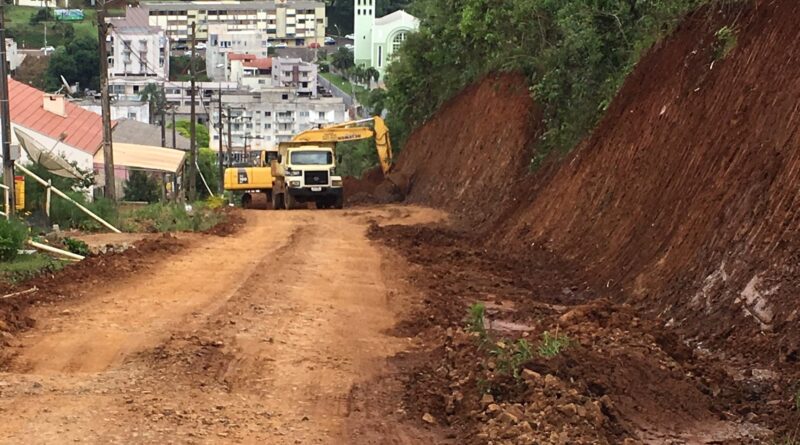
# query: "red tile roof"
262, 64
237, 56
83, 129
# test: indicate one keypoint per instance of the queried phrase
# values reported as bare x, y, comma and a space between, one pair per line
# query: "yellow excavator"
303, 169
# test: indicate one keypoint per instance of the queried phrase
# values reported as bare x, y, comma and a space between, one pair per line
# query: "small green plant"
726, 42
552, 344
476, 321
13, 234
797, 399
510, 359
25, 267
77, 246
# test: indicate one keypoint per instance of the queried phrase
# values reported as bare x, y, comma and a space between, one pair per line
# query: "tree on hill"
77, 62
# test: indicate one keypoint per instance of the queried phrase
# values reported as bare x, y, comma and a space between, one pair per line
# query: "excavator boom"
354, 131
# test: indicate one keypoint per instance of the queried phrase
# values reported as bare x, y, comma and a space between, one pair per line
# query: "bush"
13, 234
77, 246
42, 15
141, 187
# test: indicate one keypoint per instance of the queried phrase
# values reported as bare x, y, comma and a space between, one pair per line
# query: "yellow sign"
19, 191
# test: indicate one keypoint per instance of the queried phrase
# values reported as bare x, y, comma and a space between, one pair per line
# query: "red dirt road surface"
256, 337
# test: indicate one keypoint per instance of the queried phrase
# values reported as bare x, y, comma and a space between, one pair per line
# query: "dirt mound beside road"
469, 155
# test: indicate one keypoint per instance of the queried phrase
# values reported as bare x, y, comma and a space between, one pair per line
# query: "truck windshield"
312, 158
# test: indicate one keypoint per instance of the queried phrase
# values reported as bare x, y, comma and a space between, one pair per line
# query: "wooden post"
105, 104
191, 175
5, 128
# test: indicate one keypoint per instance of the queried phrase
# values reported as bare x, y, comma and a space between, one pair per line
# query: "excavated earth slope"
684, 198
666, 245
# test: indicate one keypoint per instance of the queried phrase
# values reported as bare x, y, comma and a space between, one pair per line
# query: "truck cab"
306, 172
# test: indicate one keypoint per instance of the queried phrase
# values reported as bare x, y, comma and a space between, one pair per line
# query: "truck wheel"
246, 200
322, 204
339, 204
291, 203
277, 201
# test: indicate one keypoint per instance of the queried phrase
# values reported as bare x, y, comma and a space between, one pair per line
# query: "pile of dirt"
468, 157
231, 223
363, 190
67, 283
620, 377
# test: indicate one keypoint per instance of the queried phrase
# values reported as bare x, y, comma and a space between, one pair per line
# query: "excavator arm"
354, 131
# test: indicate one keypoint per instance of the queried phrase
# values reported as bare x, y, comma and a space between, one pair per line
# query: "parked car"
47, 50
350, 36
200, 46
349, 46
281, 45
330, 41
314, 45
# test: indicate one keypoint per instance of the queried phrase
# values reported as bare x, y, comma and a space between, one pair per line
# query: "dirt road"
254, 338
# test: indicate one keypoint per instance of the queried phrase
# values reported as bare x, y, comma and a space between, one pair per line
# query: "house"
137, 110
377, 39
251, 72
223, 42
294, 73
55, 123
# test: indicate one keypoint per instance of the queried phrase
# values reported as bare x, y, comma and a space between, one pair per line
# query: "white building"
251, 72
376, 40
136, 49
293, 23
260, 121
135, 110
178, 94
222, 41
13, 56
296, 74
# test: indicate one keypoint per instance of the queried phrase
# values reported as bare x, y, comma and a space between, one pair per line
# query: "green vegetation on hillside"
576, 55
30, 34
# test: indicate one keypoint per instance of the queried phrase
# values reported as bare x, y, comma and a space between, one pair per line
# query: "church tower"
364, 13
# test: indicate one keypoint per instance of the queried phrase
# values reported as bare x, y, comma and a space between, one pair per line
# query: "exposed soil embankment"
469, 155
681, 208
683, 198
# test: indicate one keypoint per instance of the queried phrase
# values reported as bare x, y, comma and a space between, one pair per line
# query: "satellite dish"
54, 163
66, 85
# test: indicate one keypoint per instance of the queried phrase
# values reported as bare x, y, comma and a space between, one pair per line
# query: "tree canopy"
576, 55
78, 61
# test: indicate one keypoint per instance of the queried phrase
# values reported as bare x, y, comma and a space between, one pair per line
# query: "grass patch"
28, 266
552, 344
726, 42
32, 36
171, 218
348, 87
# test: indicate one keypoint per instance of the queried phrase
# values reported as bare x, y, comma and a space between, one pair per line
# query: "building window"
322, 115
380, 56
285, 96
133, 115
398, 40
304, 114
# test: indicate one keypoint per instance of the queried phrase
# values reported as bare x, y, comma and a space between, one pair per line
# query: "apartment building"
135, 48
222, 42
259, 121
178, 94
286, 22
296, 74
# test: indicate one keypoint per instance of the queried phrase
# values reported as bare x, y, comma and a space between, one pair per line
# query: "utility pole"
105, 103
190, 171
8, 163
162, 112
219, 135
174, 134
230, 140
